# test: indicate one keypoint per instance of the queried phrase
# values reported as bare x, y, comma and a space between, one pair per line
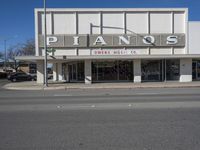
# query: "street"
119, 119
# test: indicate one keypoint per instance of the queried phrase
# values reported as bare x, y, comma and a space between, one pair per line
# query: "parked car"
3, 75
21, 76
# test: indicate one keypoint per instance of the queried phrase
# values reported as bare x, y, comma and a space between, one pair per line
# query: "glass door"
151, 70
72, 72
76, 71
172, 69
107, 71
196, 70
125, 70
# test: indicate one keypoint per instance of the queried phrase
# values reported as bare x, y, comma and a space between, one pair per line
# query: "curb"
98, 87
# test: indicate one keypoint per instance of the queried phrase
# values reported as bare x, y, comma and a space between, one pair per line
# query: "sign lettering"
113, 41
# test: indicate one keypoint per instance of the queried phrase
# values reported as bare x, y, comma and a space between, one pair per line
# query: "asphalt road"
122, 119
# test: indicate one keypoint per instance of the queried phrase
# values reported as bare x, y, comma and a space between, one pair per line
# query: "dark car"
20, 76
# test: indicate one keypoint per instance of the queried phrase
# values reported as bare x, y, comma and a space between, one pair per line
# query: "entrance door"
151, 70
72, 72
107, 71
76, 72
196, 70
125, 71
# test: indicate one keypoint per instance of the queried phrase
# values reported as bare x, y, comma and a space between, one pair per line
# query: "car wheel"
14, 80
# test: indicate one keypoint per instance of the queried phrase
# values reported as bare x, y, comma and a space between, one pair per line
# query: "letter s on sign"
172, 40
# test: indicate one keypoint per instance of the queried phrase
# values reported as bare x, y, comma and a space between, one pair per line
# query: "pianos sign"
113, 41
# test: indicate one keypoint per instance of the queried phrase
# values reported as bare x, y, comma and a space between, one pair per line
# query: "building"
8, 66
27, 67
118, 45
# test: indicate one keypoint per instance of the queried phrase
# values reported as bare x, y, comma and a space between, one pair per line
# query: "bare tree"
13, 51
22, 49
28, 48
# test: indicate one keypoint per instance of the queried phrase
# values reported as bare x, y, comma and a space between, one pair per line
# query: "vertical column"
40, 71
67, 73
137, 70
149, 29
37, 22
88, 71
172, 28
55, 72
186, 70
77, 31
59, 71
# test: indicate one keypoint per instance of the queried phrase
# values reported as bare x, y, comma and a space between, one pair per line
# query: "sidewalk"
32, 85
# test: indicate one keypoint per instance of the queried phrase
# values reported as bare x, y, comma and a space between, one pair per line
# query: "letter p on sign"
51, 39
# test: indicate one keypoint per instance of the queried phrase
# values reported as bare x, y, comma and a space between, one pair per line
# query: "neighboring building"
27, 67
8, 67
114, 45
19, 66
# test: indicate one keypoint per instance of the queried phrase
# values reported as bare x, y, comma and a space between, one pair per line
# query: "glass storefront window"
107, 71
196, 70
152, 70
160, 70
172, 69
112, 71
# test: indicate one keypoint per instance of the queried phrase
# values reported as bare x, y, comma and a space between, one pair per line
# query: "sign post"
45, 48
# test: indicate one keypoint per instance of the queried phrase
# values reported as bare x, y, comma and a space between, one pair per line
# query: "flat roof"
110, 9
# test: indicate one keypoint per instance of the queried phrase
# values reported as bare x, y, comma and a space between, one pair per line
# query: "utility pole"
45, 48
5, 39
5, 57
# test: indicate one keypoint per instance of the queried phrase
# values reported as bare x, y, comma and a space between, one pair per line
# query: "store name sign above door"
98, 41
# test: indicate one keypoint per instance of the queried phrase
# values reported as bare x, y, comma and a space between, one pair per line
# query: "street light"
45, 48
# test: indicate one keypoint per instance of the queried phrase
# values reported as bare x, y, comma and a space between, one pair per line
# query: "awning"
70, 58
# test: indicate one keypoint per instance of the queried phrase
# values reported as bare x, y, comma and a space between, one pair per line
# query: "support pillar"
88, 71
186, 70
137, 70
55, 70
40, 72
66, 72
59, 71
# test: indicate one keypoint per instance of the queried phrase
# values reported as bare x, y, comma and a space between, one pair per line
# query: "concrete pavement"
32, 85
140, 122
99, 118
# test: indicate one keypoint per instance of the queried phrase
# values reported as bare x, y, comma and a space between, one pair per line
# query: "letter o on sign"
148, 39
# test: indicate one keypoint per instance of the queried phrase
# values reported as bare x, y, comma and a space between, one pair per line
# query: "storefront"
118, 45
196, 70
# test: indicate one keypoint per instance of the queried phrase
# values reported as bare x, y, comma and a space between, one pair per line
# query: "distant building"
28, 67
10, 65
118, 45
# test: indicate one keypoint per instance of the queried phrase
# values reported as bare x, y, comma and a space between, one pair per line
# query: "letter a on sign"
99, 40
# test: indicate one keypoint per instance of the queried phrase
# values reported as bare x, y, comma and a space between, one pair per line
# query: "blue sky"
17, 16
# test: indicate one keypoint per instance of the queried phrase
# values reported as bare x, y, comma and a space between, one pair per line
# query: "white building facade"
118, 45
